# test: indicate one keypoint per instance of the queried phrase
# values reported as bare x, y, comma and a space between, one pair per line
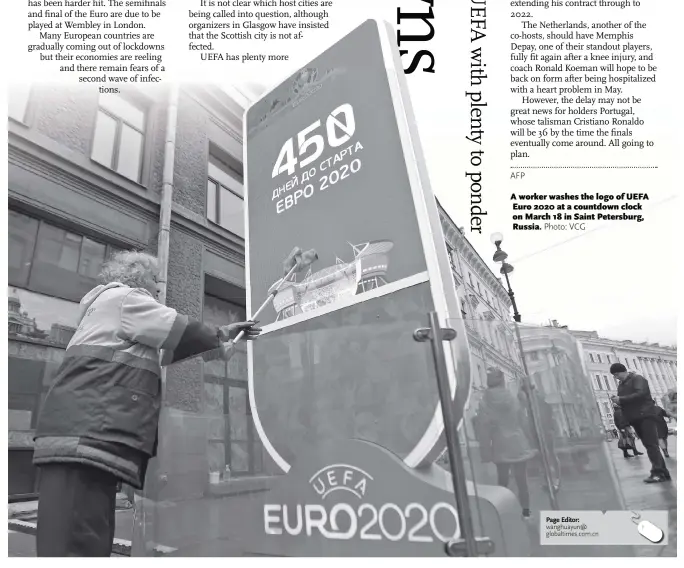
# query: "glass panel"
218, 312
257, 453
232, 212
39, 329
361, 388
92, 258
22, 240
211, 201
237, 412
350, 376
35, 317
124, 109
130, 153
58, 247
103, 140
544, 414
239, 457
56, 265
17, 101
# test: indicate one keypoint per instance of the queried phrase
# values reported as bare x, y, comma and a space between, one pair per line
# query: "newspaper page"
335, 278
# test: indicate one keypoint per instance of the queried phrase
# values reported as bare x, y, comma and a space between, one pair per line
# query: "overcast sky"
618, 278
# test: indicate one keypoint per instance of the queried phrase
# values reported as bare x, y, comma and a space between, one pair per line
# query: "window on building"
598, 383
48, 259
598, 356
119, 137
470, 277
608, 357
608, 384
225, 197
635, 363
591, 357
17, 101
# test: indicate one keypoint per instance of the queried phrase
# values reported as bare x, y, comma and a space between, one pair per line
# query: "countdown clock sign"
332, 162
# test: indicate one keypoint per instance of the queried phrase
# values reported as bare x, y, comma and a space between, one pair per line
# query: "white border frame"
442, 288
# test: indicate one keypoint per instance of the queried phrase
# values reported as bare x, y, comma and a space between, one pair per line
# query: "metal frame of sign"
442, 287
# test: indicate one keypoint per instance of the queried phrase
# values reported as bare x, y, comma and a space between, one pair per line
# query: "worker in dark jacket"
98, 425
638, 409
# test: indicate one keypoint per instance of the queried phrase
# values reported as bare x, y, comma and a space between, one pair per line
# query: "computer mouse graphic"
648, 530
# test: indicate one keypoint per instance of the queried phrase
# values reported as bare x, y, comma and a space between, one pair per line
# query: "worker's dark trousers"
76, 511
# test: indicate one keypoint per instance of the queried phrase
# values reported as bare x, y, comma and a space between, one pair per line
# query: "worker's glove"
229, 332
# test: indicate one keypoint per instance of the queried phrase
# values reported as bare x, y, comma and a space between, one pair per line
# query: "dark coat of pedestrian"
663, 430
639, 410
619, 418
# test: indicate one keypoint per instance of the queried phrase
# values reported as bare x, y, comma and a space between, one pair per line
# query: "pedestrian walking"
98, 425
501, 434
671, 403
638, 409
663, 430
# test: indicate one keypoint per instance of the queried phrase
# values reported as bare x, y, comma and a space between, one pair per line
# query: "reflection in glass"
92, 258
58, 247
566, 426
352, 377
40, 317
22, 240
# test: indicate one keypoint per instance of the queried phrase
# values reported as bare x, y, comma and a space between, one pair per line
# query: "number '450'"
307, 141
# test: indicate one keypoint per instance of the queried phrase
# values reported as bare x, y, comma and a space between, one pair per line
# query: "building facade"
656, 363
86, 173
485, 307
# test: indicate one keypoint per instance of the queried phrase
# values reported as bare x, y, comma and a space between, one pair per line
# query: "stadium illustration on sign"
366, 272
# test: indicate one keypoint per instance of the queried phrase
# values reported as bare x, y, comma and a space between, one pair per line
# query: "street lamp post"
506, 269
500, 256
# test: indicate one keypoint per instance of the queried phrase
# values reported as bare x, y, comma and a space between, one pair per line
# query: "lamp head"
496, 238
